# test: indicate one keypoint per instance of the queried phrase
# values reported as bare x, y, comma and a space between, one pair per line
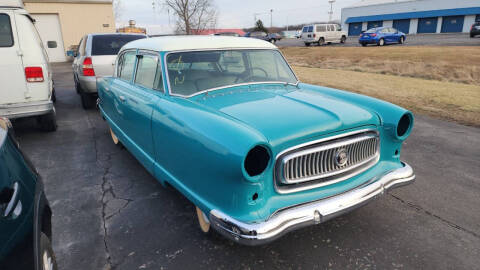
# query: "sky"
233, 13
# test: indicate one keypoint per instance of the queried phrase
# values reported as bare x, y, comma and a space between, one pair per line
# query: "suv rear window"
6, 36
111, 44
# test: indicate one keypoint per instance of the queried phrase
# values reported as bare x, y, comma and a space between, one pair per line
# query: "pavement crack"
443, 220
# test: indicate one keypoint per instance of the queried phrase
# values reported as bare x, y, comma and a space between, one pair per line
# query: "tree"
259, 27
117, 10
192, 16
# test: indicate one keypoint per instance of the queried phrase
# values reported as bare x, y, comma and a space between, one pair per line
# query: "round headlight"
404, 125
256, 161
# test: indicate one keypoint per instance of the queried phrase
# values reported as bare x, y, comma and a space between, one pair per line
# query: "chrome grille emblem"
341, 157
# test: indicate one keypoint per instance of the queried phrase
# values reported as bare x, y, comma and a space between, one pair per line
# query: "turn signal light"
87, 67
34, 74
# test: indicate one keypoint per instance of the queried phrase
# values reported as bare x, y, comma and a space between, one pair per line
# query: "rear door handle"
122, 98
11, 198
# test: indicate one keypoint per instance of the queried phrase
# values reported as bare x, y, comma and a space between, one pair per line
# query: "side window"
6, 35
126, 64
321, 28
146, 70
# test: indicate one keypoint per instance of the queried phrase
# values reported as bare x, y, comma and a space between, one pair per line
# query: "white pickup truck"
323, 33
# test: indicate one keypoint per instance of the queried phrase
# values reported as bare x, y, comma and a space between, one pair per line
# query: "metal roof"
376, 2
180, 43
417, 14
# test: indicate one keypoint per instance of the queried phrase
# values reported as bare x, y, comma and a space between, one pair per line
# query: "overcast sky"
234, 13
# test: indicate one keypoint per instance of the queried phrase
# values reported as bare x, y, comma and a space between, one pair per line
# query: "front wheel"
273, 41
402, 40
343, 39
364, 44
307, 44
47, 257
381, 42
321, 41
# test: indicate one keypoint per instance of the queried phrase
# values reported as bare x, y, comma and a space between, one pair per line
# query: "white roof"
11, 3
180, 43
376, 2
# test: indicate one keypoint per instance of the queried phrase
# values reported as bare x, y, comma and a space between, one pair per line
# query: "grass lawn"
442, 82
445, 100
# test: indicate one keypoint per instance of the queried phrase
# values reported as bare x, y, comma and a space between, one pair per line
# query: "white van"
25, 76
323, 33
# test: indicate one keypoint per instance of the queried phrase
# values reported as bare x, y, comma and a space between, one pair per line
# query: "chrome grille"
320, 161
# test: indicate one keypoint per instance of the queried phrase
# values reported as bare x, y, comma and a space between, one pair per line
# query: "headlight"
257, 161
404, 126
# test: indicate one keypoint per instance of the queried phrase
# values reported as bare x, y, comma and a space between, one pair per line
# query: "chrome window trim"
228, 86
311, 184
121, 54
155, 54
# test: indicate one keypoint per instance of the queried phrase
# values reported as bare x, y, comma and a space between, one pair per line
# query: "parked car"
25, 215
95, 57
270, 37
323, 33
475, 29
381, 36
25, 74
226, 122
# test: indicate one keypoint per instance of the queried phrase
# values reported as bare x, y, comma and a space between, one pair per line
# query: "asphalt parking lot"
461, 39
109, 213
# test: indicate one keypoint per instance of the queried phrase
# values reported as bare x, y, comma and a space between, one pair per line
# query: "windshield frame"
167, 78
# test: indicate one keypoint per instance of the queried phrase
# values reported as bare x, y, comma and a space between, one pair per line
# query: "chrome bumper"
308, 214
27, 109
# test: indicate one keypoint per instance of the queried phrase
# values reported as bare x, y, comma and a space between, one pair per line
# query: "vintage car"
226, 122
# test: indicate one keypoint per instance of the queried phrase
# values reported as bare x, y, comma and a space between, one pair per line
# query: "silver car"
95, 58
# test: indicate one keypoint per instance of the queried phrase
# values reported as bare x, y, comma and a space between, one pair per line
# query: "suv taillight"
34, 74
314, 35
87, 67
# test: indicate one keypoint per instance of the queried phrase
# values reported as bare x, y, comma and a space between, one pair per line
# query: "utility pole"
330, 13
271, 19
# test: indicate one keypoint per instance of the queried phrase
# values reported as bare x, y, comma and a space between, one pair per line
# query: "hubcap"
47, 261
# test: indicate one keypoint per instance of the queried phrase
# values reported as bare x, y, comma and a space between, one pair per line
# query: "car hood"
282, 113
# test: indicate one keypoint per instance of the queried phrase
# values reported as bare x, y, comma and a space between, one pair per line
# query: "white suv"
25, 75
323, 33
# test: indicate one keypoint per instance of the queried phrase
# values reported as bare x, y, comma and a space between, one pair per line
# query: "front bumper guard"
293, 218
26, 109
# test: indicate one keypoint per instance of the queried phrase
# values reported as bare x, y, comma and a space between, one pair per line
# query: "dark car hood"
283, 113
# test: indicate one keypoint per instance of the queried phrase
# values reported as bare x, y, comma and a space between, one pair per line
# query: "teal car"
226, 122
25, 215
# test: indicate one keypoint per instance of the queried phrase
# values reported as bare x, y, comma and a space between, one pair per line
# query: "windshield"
111, 44
193, 72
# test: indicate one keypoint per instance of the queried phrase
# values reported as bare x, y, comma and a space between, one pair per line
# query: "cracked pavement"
109, 213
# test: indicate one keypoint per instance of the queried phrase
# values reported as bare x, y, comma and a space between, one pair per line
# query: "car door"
12, 75
136, 102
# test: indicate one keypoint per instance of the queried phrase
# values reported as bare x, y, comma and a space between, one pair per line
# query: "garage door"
402, 25
452, 24
48, 26
427, 25
354, 29
374, 24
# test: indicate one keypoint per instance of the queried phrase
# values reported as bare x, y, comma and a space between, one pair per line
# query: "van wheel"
343, 39
321, 41
307, 44
203, 220
87, 100
47, 256
381, 42
48, 122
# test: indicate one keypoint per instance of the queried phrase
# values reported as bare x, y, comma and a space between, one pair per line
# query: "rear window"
111, 44
373, 30
6, 36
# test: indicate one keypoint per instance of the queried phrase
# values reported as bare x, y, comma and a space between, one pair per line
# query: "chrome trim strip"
223, 87
310, 183
295, 217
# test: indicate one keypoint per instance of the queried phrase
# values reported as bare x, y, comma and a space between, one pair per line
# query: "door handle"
122, 98
12, 199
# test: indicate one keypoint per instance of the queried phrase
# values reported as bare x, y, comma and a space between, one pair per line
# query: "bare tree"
192, 16
117, 9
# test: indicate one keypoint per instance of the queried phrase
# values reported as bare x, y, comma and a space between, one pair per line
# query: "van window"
310, 29
6, 35
321, 28
126, 64
111, 44
146, 70
305, 29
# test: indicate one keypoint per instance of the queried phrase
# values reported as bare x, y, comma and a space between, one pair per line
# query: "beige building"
62, 23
